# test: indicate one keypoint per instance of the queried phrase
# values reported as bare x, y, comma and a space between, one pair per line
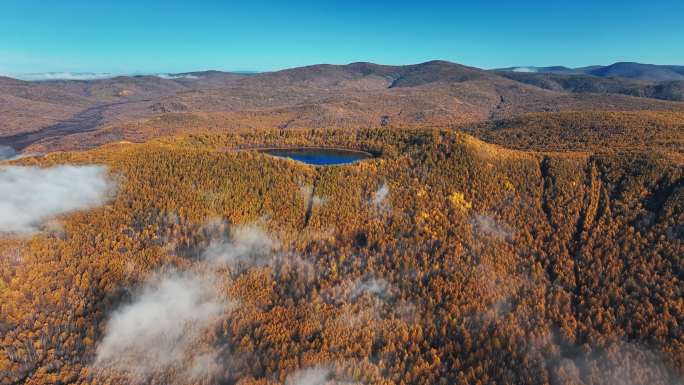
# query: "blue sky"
142, 36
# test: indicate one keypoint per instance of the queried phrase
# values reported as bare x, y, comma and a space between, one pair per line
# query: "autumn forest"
443, 259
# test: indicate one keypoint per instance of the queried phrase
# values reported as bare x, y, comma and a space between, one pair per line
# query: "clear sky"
146, 36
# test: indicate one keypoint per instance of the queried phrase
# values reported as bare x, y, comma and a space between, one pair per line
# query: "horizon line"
96, 75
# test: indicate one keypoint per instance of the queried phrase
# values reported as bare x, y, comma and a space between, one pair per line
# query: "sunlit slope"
590, 131
76, 115
443, 259
603, 132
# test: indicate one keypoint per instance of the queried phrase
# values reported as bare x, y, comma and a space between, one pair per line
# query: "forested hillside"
589, 131
442, 260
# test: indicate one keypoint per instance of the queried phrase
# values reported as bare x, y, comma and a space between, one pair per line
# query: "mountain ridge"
359, 94
629, 70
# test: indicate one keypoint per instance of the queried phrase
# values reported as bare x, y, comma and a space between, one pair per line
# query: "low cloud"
363, 302
307, 193
42, 76
177, 76
372, 286
317, 201
248, 245
45, 76
618, 363
205, 365
31, 195
379, 198
160, 327
484, 224
318, 375
166, 326
349, 290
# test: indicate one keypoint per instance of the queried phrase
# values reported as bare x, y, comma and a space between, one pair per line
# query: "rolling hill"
635, 79
580, 83
640, 71
626, 70
69, 114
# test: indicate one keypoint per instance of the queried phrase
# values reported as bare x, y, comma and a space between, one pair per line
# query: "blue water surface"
319, 156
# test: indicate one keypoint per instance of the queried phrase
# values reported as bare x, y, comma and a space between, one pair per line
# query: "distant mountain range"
664, 82
83, 113
627, 70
